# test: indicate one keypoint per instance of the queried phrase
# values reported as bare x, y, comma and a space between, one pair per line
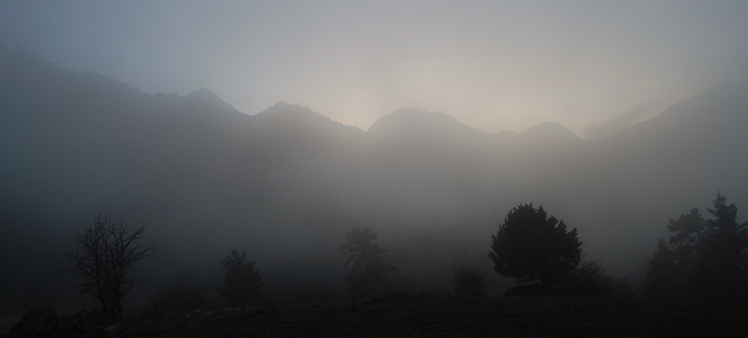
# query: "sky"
591, 66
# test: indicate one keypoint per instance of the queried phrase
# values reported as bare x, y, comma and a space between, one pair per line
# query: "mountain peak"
417, 126
411, 117
549, 130
206, 96
287, 110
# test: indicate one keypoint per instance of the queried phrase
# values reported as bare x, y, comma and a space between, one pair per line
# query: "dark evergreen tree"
535, 247
720, 260
661, 276
368, 274
705, 259
241, 282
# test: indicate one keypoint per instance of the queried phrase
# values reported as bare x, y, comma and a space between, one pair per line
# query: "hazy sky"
493, 65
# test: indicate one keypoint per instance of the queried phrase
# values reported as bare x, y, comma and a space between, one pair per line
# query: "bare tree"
104, 259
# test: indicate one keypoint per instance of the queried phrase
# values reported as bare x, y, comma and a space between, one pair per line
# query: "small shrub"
469, 281
588, 280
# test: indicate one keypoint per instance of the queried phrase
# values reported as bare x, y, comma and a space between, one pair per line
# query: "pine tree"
705, 259
661, 275
720, 260
241, 282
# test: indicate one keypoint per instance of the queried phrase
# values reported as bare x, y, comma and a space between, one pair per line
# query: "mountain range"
288, 182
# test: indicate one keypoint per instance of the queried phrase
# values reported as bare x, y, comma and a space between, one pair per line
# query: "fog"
391, 123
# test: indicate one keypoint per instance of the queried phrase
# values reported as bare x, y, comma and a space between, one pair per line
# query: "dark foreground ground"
405, 316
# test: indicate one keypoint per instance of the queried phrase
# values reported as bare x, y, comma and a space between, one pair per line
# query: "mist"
424, 130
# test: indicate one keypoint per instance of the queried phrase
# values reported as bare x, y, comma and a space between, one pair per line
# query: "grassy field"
487, 317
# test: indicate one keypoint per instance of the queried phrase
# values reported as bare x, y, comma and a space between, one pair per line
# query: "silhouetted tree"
661, 276
241, 282
669, 273
705, 258
104, 259
720, 262
532, 247
690, 230
368, 274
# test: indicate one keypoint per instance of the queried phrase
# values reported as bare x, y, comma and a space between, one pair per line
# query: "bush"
590, 280
469, 281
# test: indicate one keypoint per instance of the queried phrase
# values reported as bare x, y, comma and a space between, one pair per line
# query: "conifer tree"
241, 282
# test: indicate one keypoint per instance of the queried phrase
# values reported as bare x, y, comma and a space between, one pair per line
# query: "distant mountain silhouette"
549, 132
412, 131
207, 97
413, 123
294, 117
541, 137
288, 181
722, 107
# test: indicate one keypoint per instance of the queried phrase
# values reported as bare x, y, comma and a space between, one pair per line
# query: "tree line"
703, 259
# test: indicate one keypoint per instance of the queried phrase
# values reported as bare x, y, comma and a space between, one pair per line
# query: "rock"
36, 323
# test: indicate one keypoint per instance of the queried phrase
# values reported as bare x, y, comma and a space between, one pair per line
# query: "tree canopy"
535, 247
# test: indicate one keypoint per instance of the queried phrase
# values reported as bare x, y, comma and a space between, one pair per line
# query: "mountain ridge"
288, 182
